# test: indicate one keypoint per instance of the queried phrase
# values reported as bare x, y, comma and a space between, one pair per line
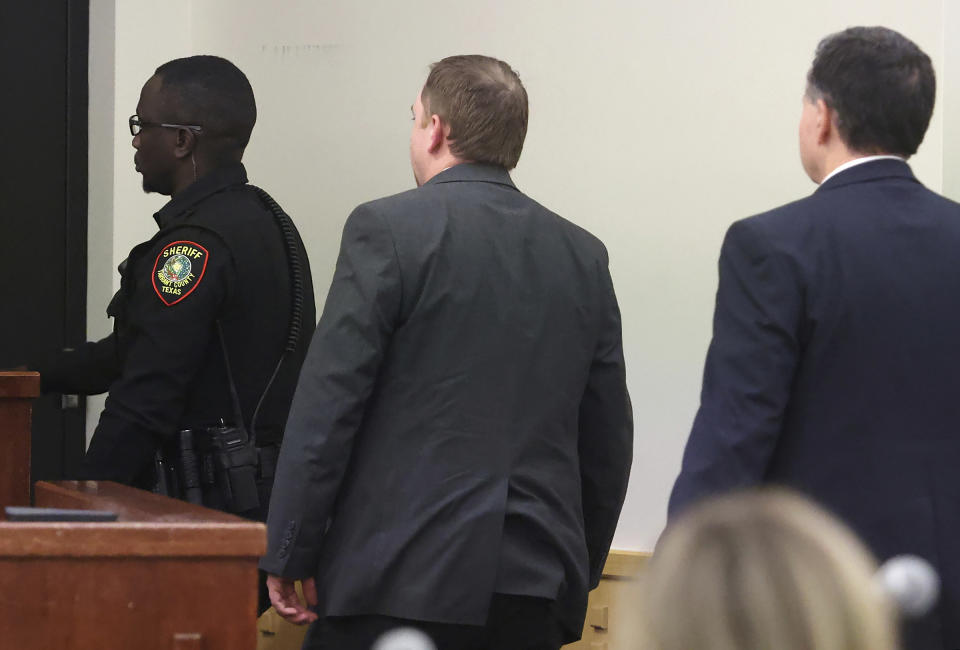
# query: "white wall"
100, 157
949, 109
654, 125
128, 40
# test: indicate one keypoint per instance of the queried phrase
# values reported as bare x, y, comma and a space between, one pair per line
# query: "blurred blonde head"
762, 571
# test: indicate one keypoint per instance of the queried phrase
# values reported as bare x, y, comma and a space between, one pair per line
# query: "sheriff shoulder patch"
178, 270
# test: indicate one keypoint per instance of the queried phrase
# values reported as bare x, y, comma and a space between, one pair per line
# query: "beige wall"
949, 108
102, 136
128, 40
653, 124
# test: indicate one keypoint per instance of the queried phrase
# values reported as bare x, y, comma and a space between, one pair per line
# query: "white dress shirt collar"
858, 161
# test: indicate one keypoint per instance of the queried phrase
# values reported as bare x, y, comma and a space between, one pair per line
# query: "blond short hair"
763, 570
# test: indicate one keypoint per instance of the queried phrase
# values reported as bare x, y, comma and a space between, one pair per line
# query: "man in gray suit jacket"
459, 443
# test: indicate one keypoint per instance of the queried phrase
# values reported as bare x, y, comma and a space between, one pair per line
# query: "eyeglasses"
137, 125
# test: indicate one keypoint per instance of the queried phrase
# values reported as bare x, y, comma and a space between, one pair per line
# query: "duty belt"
221, 462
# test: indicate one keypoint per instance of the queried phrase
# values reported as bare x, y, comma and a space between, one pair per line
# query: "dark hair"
213, 93
483, 101
881, 86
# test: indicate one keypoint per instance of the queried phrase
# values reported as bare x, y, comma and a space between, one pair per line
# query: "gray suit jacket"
461, 426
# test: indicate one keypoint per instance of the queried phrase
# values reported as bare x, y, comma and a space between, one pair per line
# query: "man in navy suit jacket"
836, 344
459, 443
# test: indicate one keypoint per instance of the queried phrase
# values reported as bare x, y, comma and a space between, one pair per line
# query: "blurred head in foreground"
762, 571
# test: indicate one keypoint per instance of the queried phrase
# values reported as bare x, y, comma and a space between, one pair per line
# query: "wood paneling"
609, 612
122, 603
19, 385
166, 575
17, 392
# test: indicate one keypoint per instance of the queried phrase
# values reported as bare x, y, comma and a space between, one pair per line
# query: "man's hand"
283, 596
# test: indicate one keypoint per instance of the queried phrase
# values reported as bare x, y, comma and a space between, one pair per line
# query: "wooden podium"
17, 392
167, 574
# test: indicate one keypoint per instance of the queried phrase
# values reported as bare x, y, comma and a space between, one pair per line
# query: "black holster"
220, 466
234, 463
221, 463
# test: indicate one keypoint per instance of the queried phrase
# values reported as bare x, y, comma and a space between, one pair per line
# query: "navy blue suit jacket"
833, 367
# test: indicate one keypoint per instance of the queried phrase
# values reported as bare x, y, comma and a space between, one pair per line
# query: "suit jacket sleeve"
606, 435
749, 370
336, 380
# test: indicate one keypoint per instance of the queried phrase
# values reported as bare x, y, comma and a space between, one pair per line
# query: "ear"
438, 133
825, 125
186, 143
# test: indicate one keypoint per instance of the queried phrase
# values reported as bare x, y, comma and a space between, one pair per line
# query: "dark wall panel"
43, 179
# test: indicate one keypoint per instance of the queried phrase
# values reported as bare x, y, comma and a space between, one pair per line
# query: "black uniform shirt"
218, 256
